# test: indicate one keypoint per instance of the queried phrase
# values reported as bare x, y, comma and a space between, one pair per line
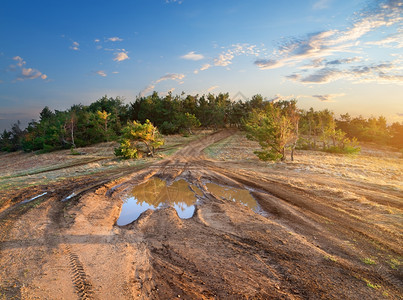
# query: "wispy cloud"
321, 4
192, 56
212, 88
328, 97
121, 56
391, 41
20, 61
330, 42
114, 39
26, 73
278, 97
171, 76
381, 73
174, 1
75, 46
101, 73
225, 58
203, 68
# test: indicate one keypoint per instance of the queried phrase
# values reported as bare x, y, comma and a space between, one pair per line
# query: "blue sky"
343, 55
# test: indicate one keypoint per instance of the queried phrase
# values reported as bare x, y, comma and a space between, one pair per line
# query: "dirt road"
306, 243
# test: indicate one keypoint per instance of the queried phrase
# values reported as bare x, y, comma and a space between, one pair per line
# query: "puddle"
155, 194
233, 194
33, 198
69, 197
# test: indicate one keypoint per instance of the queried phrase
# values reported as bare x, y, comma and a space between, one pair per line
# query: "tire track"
79, 277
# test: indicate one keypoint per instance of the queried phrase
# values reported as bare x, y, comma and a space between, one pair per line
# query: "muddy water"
155, 194
233, 194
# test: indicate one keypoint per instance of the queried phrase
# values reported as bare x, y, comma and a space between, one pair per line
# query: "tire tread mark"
79, 277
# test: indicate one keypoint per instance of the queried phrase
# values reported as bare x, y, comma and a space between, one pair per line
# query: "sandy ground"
330, 227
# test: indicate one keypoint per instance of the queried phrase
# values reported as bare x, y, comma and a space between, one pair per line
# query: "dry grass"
19, 169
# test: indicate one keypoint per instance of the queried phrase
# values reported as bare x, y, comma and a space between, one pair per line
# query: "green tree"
135, 133
274, 127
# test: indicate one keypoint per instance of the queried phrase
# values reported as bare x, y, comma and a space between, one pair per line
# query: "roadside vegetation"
276, 126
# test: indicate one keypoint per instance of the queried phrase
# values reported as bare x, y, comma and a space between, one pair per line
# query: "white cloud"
30, 73
26, 73
392, 41
20, 61
174, 1
192, 56
379, 73
171, 76
212, 88
225, 58
97, 40
114, 39
75, 46
316, 46
101, 73
205, 67
121, 56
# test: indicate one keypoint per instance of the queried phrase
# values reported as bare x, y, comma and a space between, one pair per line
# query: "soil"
321, 236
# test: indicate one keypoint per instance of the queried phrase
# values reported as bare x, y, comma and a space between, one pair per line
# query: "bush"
135, 133
127, 150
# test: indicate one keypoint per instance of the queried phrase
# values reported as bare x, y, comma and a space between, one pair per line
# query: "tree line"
275, 125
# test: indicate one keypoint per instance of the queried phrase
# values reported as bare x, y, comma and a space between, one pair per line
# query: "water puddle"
33, 198
155, 194
234, 194
69, 197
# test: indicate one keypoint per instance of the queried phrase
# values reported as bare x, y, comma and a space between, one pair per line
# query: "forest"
275, 125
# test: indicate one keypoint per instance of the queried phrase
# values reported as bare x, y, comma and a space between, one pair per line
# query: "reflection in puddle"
155, 194
233, 194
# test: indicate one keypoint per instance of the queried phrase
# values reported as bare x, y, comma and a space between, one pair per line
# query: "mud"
310, 244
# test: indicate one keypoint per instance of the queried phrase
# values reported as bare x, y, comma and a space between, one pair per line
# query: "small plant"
368, 261
372, 285
330, 257
394, 263
74, 151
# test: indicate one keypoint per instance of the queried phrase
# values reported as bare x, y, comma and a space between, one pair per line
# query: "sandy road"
309, 244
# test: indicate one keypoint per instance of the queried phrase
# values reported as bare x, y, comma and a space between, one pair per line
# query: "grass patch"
368, 261
215, 150
371, 285
330, 257
394, 263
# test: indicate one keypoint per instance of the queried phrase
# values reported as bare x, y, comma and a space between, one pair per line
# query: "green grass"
394, 263
371, 285
214, 150
330, 257
368, 261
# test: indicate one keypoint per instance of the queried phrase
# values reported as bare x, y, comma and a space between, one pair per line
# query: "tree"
135, 133
275, 127
187, 122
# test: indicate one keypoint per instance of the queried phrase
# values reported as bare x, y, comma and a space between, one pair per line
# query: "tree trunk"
283, 158
72, 134
292, 152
